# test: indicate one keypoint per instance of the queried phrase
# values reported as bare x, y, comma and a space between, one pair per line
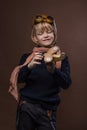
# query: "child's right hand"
36, 60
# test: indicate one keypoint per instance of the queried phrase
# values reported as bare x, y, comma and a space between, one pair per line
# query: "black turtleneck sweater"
41, 86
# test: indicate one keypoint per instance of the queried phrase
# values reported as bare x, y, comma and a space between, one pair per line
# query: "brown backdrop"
71, 19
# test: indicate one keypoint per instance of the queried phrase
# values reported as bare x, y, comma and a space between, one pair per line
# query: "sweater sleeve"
63, 76
24, 71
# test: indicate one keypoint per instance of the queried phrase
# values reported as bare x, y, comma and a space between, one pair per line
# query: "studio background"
71, 20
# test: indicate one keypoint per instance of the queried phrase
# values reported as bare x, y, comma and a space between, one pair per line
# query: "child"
38, 99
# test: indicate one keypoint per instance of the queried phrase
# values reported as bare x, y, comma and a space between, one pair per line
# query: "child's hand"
36, 60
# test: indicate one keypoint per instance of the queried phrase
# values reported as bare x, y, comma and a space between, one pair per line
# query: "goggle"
43, 18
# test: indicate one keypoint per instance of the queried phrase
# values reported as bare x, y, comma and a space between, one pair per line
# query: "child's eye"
39, 33
49, 31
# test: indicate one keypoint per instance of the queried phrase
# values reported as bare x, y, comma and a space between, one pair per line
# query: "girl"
39, 99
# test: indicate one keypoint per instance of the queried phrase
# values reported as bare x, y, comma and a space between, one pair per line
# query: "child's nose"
45, 34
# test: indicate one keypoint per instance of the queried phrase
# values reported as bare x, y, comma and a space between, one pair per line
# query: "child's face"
44, 34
